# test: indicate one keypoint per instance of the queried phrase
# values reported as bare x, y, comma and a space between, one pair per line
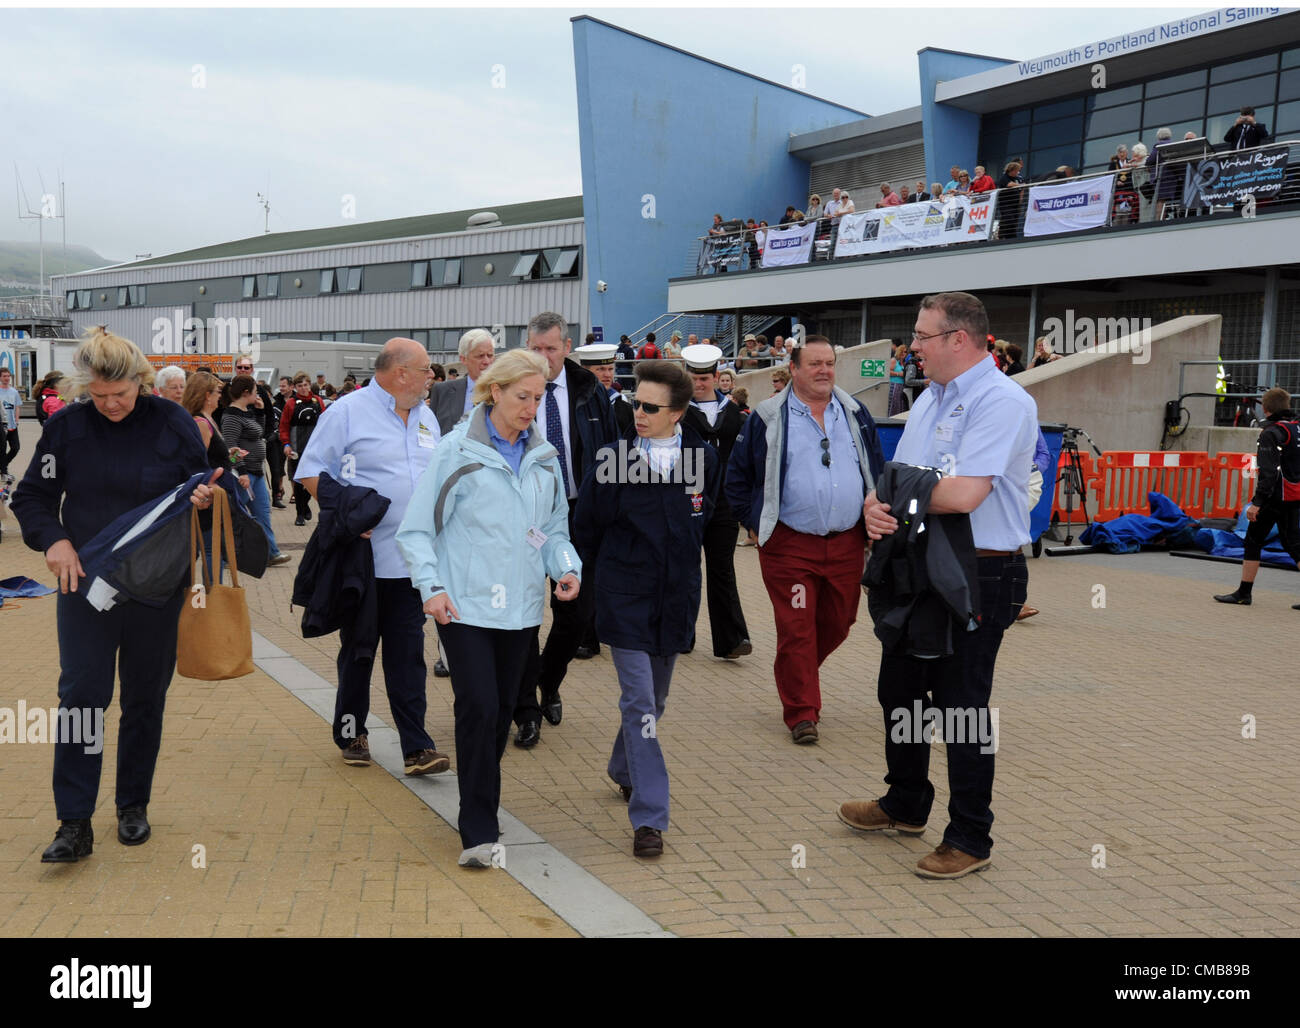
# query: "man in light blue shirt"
10, 402
979, 428
383, 437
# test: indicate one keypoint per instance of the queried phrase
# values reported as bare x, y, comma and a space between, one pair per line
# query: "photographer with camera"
1246, 132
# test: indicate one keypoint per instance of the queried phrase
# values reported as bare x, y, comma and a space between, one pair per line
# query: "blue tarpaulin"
18, 588
1232, 544
1128, 533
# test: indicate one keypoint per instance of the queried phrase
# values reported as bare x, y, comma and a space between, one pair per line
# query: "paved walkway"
1121, 737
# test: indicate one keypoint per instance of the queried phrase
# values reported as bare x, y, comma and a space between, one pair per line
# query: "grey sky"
396, 108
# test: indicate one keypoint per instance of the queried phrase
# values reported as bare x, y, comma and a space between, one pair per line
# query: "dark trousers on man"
139, 644
487, 667
401, 630
960, 684
8, 449
275, 461
569, 619
726, 619
1286, 516
301, 498
814, 583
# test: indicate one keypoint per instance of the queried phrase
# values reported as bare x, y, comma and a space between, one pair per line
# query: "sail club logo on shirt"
957, 411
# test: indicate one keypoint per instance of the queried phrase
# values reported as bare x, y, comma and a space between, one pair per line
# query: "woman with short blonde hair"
506, 370
103, 355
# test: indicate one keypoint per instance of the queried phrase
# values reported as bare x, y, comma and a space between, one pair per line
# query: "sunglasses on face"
649, 408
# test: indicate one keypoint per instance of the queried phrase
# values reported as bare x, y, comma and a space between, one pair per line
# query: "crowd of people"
456, 501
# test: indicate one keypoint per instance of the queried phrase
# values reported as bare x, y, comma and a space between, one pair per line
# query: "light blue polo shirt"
817, 499
981, 423
360, 440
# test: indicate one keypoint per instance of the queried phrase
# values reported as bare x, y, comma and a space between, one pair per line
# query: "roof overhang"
1125, 58
898, 128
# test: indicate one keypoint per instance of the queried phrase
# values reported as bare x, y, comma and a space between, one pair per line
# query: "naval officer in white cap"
599, 358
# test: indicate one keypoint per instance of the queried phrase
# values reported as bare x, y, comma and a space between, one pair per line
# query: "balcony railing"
1208, 185
26, 308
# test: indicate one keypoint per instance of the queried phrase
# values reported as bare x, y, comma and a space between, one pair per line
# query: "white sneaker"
477, 856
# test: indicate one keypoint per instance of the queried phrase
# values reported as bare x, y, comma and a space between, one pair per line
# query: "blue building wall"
697, 138
951, 135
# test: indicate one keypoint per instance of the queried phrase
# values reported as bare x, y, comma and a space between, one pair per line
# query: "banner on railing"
790, 245
1068, 206
957, 220
1224, 179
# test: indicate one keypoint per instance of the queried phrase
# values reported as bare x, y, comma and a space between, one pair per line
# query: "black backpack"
305, 413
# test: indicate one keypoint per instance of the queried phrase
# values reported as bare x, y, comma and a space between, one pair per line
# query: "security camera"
601, 285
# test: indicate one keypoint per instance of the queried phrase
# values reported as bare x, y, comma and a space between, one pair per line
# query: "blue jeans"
262, 510
638, 760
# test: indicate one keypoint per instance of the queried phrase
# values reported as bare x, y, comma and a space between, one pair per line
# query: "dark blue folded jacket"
336, 579
142, 555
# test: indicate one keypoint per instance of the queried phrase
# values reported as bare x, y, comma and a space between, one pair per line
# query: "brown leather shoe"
1026, 611
866, 816
950, 862
804, 732
357, 752
427, 762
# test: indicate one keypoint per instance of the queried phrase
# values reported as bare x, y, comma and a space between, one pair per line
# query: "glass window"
451, 339
1043, 161
1288, 122
1012, 141
1179, 107
354, 280
451, 275
1288, 85
1291, 58
1240, 69
141, 295
525, 266
250, 286
1253, 92
1218, 125
1114, 97
70, 301
1178, 130
84, 301
1112, 120
327, 337
1050, 112
422, 337
566, 265
327, 280
1054, 133
1175, 83
1098, 152
272, 285
121, 296
419, 274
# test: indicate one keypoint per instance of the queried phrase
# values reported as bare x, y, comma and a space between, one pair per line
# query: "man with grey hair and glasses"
452, 400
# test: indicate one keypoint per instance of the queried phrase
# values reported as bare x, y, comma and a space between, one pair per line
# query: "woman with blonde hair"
94, 463
488, 522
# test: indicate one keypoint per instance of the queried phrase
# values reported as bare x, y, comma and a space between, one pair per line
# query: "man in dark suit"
918, 195
452, 400
577, 420
718, 421
1246, 132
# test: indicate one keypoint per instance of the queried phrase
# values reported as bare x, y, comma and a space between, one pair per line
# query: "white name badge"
424, 435
535, 538
943, 433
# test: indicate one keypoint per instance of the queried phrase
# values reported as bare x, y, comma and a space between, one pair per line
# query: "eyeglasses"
933, 335
649, 408
826, 452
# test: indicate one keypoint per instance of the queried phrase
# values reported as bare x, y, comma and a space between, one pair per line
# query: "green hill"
20, 263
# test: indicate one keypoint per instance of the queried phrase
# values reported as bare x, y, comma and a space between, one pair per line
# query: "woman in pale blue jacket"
488, 522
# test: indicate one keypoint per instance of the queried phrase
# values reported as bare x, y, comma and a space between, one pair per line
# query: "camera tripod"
1072, 474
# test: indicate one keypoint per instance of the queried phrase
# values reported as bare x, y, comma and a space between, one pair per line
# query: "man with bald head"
381, 437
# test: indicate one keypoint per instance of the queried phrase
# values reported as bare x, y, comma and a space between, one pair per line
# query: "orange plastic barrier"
1124, 478
1230, 483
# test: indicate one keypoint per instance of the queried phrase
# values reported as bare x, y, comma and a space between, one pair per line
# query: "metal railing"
1179, 188
38, 305
719, 329
1242, 405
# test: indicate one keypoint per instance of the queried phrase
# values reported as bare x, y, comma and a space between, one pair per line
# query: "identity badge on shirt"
943, 433
535, 538
424, 435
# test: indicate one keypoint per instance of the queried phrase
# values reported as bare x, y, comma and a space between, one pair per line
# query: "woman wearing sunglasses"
640, 524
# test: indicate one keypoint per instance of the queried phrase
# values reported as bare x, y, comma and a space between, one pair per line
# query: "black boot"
73, 840
132, 826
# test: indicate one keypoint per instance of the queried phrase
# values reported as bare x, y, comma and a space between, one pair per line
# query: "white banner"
1068, 206
956, 220
790, 245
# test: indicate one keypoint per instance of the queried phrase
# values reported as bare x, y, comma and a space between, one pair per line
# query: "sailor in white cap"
599, 359
718, 421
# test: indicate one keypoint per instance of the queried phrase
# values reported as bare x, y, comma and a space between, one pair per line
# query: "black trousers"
959, 686
1287, 518
275, 461
401, 631
139, 644
301, 498
546, 670
487, 667
8, 449
726, 619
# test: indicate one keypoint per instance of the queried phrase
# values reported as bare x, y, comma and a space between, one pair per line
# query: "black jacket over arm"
923, 580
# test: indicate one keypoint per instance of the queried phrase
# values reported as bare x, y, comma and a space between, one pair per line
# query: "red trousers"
814, 584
